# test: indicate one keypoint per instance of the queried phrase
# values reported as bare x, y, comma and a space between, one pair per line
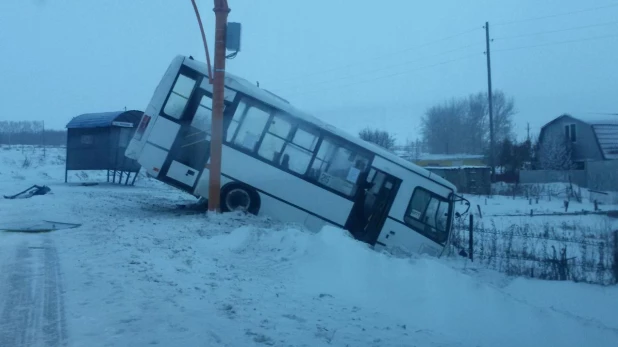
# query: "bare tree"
418, 149
379, 137
462, 126
442, 127
504, 109
29, 133
414, 149
477, 124
555, 152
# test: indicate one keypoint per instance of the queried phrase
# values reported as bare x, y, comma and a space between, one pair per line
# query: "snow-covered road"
33, 312
139, 271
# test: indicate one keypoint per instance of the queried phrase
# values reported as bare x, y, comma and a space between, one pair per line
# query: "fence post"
615, 265
471, 238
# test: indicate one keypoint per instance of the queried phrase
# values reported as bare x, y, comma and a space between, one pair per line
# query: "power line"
438, 40
388, 76
556, 15
556, 43
556, 31
408, 62
385, 56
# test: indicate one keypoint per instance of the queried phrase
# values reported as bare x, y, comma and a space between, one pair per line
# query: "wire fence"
556, 251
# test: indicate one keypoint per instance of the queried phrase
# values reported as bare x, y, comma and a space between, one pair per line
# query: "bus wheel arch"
240, 197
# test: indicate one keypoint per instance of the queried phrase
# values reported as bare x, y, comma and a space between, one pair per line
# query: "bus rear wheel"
236, 197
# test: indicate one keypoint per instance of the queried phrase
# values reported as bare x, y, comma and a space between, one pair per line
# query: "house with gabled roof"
588, 138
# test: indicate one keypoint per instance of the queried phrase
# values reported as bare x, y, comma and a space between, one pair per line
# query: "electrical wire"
389, 55
555, 31
408, 62
449, 51
554, 43
387, 76
555, 15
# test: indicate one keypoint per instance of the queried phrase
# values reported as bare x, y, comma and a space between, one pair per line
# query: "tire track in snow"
16, 290
54, 326
33, 309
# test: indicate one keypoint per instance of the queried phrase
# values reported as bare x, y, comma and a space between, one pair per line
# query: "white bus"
281, 162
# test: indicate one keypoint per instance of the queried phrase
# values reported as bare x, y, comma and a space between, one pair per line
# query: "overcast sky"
353, 63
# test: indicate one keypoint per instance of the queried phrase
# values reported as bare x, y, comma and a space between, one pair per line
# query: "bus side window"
300, 150
274, 139
251, 128
179, 96
239, 114
338, 167
203, 115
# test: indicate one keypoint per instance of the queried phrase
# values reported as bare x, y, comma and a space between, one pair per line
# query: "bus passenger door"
191, 148
372, 206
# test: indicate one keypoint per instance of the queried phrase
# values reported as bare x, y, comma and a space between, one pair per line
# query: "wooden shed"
468, 179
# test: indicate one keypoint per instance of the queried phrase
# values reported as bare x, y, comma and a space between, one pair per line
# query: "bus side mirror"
457, 215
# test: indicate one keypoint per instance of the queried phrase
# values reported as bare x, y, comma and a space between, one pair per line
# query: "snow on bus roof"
243, 86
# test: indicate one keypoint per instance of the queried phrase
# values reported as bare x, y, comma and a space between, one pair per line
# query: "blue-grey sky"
354, 63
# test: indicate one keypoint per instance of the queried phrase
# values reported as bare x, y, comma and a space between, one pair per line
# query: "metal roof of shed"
95, 120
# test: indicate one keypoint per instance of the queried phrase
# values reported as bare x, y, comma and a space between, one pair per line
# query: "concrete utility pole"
221, 10
492, 158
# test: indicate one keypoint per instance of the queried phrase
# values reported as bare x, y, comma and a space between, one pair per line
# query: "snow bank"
139, 271
421, 293
593, 304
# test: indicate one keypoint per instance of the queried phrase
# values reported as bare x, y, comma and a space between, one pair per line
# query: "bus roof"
243, 86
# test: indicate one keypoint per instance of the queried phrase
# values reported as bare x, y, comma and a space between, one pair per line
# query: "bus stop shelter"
97, 142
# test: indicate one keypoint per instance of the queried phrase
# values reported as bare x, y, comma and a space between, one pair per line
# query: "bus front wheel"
237, 197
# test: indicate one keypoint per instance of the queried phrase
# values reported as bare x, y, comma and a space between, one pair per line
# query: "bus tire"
240, 197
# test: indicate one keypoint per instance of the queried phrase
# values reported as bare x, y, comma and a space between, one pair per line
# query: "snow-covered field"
505, 211
140, 271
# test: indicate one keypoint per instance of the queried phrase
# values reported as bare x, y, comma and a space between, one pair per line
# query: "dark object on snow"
30, 192
201, 206
39, 227
97, 142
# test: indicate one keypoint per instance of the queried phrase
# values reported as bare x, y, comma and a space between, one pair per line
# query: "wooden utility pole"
492, 157
528, 131
221, 10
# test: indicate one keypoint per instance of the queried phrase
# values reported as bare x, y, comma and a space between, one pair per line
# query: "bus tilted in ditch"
279, 161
